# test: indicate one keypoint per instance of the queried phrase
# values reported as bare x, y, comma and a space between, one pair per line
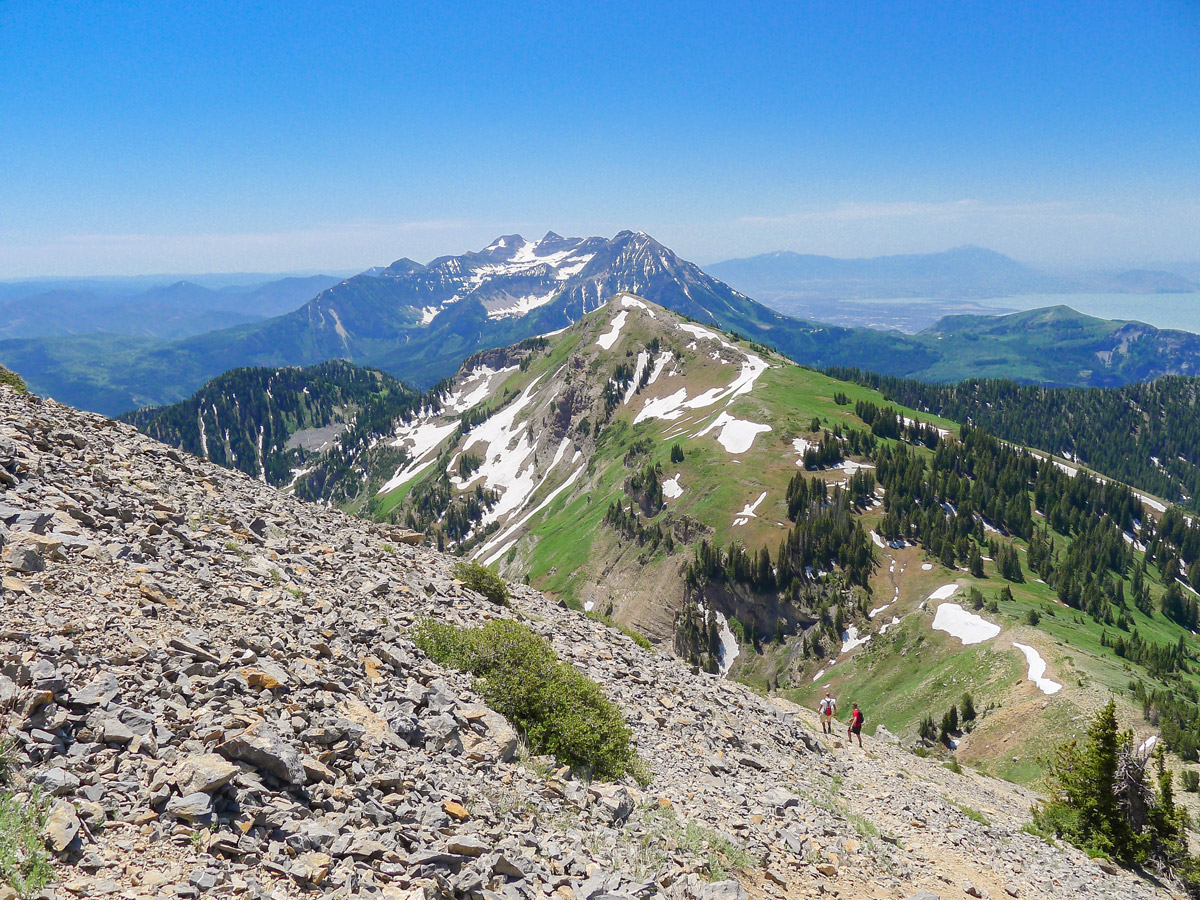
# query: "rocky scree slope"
211, 684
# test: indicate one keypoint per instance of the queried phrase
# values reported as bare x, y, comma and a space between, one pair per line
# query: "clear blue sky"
152, 137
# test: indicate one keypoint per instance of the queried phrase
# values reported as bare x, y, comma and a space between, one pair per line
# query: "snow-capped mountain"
513, 277
419, 321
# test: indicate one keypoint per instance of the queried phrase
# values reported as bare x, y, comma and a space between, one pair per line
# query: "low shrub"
24, 865
1191, 780
558, 709
483, 580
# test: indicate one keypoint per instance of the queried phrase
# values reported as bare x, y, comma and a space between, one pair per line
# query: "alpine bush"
483, 580
558, 709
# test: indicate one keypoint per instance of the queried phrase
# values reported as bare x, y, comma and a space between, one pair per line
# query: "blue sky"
152, 137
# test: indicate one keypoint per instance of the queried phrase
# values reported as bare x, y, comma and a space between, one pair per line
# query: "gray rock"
22, 559
100, 691
466, 845
115, 731
56, 781
191, 807
265, 749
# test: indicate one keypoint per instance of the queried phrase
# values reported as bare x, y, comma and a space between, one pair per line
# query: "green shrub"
483, 580
558, 709
13, 380
1191, 780
24, 865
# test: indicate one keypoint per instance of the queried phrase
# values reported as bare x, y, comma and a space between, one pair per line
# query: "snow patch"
735, 435
1037, 670
851, 639
609, 338
643, 360
729, 644
418, 439
1150, 501
669, 408
522, 305
926, 567
886, 626
747, 512
630, 302
957, 622
571, 479
660, 363
672, 489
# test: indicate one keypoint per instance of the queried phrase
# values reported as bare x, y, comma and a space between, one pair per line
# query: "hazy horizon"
1186, 268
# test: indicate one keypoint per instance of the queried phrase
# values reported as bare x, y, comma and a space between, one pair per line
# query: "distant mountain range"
175, 310
418, 322
964, 272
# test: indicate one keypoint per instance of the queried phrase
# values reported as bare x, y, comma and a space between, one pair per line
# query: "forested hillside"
1147, 435
286, 426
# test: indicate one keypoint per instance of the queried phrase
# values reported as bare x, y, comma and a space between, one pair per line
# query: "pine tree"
968, 708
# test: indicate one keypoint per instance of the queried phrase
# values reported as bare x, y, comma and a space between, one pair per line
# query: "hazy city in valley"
624, 452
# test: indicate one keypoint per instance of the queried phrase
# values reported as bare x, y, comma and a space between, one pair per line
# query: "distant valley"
912, 292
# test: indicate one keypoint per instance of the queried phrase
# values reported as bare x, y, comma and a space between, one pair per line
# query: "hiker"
856, 723
828, 709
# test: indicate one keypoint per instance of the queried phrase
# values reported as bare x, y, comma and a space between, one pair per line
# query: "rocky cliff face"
213, 685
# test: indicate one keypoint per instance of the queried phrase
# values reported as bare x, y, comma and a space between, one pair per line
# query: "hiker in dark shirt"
856, 723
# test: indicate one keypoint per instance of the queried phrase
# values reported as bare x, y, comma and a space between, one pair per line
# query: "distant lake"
1179, 311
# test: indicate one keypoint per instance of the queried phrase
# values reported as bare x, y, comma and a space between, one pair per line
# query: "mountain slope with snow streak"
535, 443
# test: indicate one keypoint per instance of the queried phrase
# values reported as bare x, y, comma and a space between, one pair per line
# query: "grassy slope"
914, 671
899, 677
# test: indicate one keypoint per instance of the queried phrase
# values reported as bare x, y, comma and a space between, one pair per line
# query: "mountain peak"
505, 244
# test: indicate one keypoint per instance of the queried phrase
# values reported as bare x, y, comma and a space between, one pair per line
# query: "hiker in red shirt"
856, 723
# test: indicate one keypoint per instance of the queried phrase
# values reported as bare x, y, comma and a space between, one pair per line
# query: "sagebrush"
483, 580
558, 709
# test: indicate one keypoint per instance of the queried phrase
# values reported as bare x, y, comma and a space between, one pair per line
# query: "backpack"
826, 705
